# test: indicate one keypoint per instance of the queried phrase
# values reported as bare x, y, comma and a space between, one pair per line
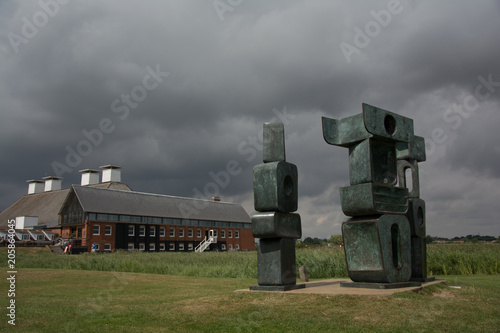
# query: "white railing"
205, 244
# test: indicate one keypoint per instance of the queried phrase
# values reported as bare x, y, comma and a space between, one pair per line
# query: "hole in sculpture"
390, 124
396, 253
288, 185
409, 179
420, 216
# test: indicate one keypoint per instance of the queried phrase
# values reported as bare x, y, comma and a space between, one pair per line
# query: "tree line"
337, 239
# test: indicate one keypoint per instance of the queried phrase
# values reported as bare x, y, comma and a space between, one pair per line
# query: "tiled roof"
46, 205
107, 201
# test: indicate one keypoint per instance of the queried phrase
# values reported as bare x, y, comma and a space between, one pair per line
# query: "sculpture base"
425, 279
373, 285
278, 288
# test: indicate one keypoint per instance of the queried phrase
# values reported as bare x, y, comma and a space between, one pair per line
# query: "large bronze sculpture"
384, 239
275, 200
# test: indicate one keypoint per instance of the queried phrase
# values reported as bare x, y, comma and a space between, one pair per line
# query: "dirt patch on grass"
443, 294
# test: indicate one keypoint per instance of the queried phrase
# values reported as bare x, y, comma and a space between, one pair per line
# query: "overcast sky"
176, 92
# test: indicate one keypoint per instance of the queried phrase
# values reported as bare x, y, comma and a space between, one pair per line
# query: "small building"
112, 216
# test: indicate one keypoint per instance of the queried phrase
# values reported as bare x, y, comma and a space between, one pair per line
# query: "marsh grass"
321, 262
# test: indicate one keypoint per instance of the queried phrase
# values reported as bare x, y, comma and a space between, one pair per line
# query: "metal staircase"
206, 242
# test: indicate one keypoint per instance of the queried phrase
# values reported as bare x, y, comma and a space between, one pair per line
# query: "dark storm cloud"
231, 70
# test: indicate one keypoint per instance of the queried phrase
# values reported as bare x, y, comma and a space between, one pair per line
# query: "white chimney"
35, 186
111, 173
89, 177
52, 183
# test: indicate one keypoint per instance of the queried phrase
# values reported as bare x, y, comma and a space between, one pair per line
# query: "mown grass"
51, 300
321, 262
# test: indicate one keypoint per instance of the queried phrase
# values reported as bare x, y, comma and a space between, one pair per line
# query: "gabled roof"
45, 205
108, 201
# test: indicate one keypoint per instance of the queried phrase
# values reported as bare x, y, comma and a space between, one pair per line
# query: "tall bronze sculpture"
384, 240
275, 200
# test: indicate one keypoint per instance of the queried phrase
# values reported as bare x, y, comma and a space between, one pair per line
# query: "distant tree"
308, 241
336, 240
300, 245
428, 239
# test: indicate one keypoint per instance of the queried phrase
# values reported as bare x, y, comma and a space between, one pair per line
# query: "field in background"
321, 262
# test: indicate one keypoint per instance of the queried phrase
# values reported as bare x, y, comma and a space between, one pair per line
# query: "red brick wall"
246, 241
100, 239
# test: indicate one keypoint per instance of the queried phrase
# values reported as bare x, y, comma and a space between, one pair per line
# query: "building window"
152, 231
97, 229
96, 247
151, 246
230, 247
124, 218
198, 233
130, 246
223, 247
230, 234
181, 246
215, 233
171, 247
190, 233
172, 232
190, 247
141, 246
162, 232
107, 247
162, 246
142, 231
237, 246
237, 234
107, 230
131, 230
181, 233
223, 234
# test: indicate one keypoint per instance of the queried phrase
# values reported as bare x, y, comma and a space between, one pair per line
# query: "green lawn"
194, 292
57, 300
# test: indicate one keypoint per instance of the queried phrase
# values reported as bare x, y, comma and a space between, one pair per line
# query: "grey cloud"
226, 77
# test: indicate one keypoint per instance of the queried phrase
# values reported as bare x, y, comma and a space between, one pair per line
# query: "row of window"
96, 230
152, 232
152, 247
159, 220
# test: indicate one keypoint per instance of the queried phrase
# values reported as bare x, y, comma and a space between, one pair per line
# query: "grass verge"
51, 300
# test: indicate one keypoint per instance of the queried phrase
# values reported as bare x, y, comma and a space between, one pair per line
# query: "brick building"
112, 216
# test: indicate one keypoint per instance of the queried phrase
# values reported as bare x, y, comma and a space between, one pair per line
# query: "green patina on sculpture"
385, 237
275, 200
